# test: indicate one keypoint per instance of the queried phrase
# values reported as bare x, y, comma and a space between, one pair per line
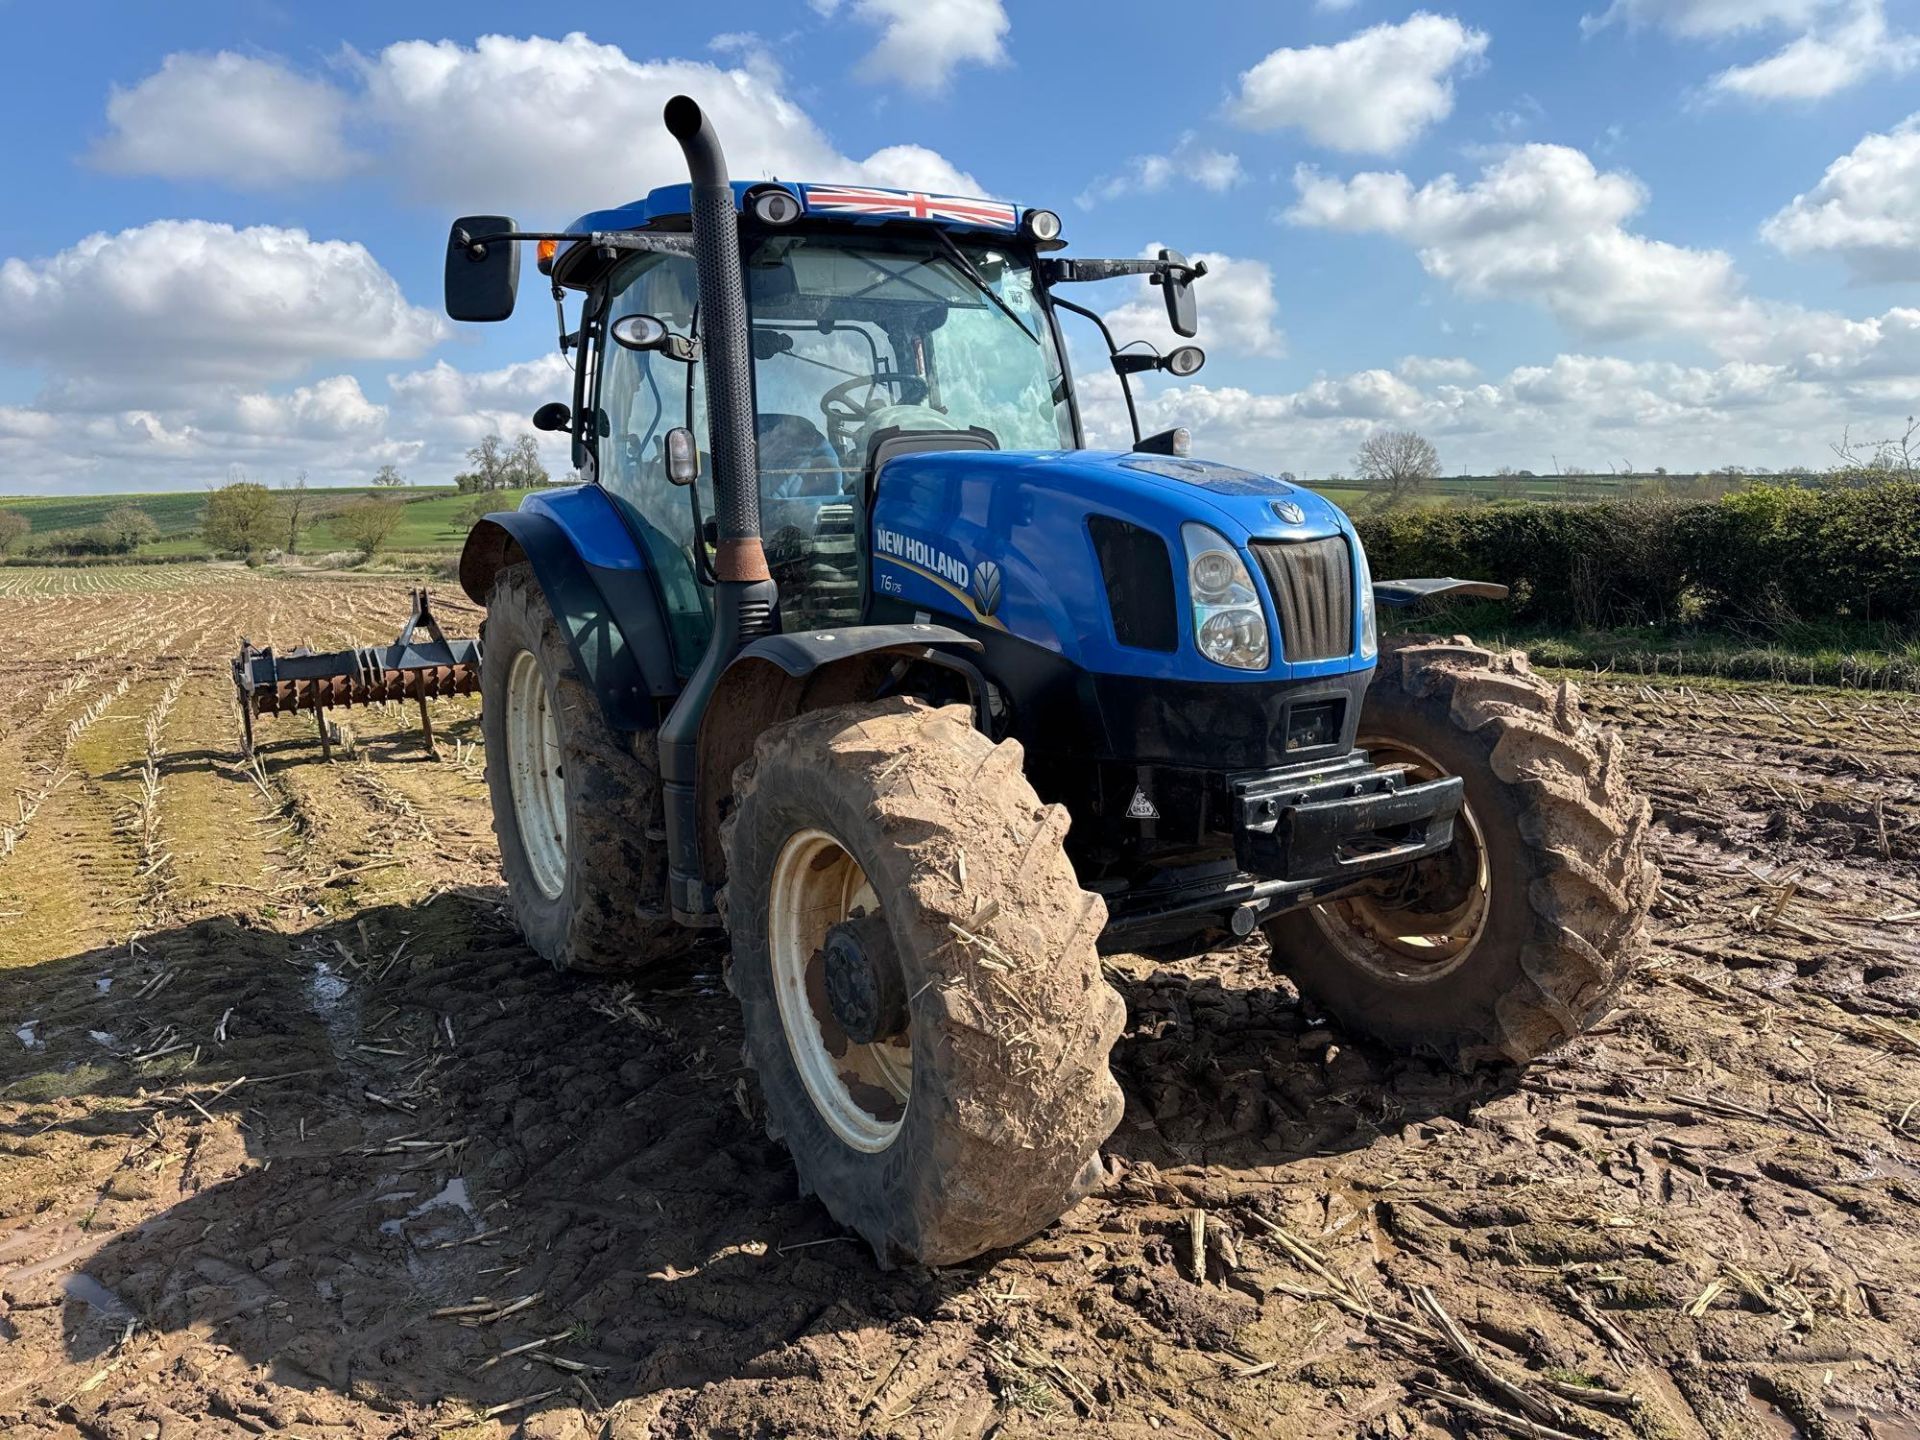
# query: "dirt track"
298, 1138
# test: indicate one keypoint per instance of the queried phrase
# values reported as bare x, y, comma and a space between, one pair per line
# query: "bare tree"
1400, 463
388, 477
293, 509
1895, 458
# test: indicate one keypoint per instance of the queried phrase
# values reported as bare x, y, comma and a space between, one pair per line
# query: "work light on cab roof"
854, 644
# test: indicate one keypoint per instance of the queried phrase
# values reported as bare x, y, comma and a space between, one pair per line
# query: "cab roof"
669, 207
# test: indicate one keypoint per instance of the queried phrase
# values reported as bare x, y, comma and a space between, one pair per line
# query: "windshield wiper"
979, 281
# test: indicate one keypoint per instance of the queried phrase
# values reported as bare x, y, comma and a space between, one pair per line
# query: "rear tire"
981, 1121
1517, 940
576, 810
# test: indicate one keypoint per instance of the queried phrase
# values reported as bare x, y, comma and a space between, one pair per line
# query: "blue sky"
1658, 232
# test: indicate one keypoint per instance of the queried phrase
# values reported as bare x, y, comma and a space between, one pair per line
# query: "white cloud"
1703, 19
1374, 93
922, 42
178, 301
1826, 59
1236, 306
507, 122
234, 118
1592, 411
1436, 367
501, 123
1540, 224
1334, 7
1866, 209
1189, 161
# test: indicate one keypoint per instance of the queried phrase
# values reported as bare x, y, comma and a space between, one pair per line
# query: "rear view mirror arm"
1113, 351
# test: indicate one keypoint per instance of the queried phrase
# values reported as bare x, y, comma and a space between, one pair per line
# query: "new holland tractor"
851, 647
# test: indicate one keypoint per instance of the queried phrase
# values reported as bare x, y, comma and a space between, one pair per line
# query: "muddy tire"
980, 1119
577, 812
1518, 938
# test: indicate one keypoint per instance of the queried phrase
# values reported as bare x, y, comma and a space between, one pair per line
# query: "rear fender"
609, 614
781, 676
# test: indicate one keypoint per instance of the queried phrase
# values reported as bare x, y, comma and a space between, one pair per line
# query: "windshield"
853, 336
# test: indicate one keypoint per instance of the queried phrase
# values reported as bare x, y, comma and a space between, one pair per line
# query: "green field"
435, 519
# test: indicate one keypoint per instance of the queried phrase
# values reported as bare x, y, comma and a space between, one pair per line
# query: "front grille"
1139, 580
1312, 585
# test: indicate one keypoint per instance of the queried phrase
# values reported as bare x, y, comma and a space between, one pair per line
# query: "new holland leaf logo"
986, 586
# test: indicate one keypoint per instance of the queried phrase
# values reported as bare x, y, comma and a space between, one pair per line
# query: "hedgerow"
1762, 555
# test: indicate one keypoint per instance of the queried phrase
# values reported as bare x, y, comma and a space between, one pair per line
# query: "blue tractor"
851, 648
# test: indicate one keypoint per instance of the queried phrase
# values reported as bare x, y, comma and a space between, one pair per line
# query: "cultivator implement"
409, 669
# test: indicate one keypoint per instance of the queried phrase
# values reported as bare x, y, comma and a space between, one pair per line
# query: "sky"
1548, 234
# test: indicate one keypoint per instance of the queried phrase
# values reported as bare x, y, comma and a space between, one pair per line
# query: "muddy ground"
296, 1138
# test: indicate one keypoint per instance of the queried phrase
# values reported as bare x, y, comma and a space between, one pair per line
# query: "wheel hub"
864, 988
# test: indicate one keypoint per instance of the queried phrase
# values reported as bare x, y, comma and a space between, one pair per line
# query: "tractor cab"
879, 322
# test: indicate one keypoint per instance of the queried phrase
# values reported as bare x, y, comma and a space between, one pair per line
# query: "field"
296, 1137
435, 517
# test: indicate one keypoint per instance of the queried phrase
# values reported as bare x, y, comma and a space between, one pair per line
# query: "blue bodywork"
956, 503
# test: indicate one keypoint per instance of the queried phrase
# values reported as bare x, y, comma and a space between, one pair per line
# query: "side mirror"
482, 278
553, 416
649, 332
1177, 283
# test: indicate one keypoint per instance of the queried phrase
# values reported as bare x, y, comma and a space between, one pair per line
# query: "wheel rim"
861, 1091
536, 776
1417, 938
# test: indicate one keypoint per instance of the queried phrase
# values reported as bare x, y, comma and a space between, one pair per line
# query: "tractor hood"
1028, 521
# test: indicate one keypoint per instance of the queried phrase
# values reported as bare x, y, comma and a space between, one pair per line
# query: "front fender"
609, 616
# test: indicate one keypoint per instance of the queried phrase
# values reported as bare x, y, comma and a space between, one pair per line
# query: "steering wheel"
845, 414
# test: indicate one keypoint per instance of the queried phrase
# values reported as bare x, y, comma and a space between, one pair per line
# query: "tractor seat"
796, 462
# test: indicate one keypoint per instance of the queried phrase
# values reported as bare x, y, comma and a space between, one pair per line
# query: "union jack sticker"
907, 205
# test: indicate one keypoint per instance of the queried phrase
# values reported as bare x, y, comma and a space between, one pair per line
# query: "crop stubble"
301, 1138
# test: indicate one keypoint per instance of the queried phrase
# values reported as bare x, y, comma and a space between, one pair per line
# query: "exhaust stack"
744, 597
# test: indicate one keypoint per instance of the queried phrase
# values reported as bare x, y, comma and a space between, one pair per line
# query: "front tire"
1517, 938
974, 1114
576, 810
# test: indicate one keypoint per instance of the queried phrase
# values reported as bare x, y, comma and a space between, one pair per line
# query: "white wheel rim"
861, 1091
536, 776
1391, 944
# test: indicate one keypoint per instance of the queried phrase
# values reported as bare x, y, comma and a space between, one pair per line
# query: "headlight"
1369, 630
1228, 625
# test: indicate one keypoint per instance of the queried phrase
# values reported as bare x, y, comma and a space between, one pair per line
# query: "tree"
369, 523
241, 517
388, 477
294, 510
524, 470
13, 529
1401, 463
496, 466
128, 527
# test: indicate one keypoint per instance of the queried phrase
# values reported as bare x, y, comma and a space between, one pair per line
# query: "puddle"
104, 1038
452, 1196
103, 984
326, 989
99, 1297
26, 1036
